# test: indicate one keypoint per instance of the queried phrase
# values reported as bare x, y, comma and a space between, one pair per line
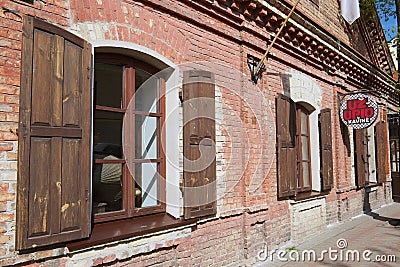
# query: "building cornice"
261, 19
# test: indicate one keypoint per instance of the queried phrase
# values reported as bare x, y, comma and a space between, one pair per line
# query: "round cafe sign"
358, 111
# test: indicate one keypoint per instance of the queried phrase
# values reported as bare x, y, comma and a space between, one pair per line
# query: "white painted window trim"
371, 155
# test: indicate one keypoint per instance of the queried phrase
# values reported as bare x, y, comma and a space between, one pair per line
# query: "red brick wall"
250, 215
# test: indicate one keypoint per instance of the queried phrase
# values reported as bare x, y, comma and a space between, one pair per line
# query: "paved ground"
374, 237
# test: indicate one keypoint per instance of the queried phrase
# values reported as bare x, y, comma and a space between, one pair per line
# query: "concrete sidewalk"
367, 240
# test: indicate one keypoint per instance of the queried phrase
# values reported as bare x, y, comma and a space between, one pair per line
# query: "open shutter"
361, 157
286, 145
326, 149
381, 132
53, 202
199, 143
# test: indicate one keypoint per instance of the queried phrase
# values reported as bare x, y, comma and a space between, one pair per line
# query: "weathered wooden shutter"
286, 145
381, 142
326, 149
199, 143
361, 157
53, 202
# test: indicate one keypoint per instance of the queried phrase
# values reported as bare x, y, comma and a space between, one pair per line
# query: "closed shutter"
286, 146
361, 157
199, 143
53, 202
326, 149
381, 149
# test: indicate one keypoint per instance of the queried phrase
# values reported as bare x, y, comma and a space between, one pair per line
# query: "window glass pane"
108, 85
147, 91
394, 166
304, 120
146, 184
107, 186
392, 150
304, 148
146, 137
107, 132
306, 174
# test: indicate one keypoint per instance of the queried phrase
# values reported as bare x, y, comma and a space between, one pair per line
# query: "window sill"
372, 185
369, 185
310, 194
117, 230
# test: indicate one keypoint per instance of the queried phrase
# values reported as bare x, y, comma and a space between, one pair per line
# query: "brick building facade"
68, 71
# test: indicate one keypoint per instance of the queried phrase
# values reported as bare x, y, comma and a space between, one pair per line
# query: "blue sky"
389, 25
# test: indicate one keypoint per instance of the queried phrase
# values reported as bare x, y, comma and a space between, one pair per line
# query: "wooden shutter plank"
85, 151
71, 198
23, 128
56, 131
361, 157
58, 69
286, 146
199, 144
39, 198
55, 184
381, 150
72, 89
42, 78
326, 149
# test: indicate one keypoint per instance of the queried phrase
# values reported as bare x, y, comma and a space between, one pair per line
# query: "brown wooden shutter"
381, 149
199, 143
53, 202
361, 157
326, 149
286, 146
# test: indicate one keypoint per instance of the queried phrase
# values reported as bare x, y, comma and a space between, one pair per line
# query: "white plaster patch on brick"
91, 31
98, 29
307, 217
124, 10
6, 108
82, 263
8, 166
129, 248
10, 206
220, 139
8, 175
304, 88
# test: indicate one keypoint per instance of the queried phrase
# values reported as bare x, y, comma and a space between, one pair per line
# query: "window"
295, 150
118, 128
395, 155
127, 122
70, 190
303, 154
370, 154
